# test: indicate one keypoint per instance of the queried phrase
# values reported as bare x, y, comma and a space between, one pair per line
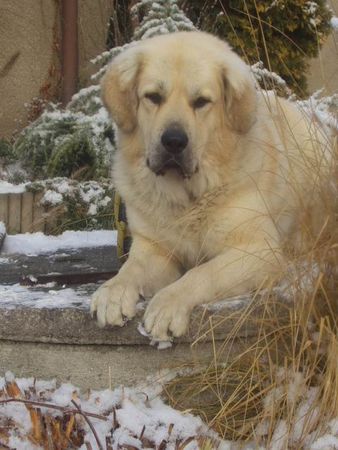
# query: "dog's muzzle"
172, 154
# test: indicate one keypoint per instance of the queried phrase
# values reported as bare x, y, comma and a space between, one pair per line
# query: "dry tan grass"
284, 386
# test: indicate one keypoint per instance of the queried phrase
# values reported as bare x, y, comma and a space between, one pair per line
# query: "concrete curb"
75, 325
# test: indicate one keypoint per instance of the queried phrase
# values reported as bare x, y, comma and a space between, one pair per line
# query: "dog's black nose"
174, 140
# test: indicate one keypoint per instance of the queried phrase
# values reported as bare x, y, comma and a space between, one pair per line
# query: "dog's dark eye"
154, 97
200, 102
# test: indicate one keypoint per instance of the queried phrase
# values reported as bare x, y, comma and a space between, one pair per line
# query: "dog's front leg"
234, 272
148, 269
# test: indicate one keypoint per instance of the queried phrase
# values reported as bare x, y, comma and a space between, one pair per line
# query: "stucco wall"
93, 23
26, 56
29, 62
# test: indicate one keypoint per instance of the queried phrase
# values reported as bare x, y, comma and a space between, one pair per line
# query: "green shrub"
67, 162
281, 33
6, 150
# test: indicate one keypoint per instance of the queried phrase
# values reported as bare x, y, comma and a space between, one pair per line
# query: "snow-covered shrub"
323, 109
270, 80
63, 142
10, 170
160, 17
75, 205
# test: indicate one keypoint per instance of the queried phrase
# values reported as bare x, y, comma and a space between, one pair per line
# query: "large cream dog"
215, 177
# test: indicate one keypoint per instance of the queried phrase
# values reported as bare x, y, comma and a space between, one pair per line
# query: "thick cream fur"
259, 165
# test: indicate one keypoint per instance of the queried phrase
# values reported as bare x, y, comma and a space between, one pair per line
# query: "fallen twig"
89, 424
63, 409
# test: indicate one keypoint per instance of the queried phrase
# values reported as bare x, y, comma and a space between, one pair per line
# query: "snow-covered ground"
39, 243
135, 417
14, 296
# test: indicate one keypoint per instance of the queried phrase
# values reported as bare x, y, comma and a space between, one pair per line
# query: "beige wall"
26, 42
93, 24
323, 70
29, 63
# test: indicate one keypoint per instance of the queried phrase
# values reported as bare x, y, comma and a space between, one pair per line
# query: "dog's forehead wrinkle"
167, 73
153, 85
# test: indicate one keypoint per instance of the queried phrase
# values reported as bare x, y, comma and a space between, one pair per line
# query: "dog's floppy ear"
118, 88
239, 93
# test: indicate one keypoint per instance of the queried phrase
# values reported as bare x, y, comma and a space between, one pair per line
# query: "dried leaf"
56, 433
70, 426
37, 425
109, 445
170, 429
13, 390
49, 434
163, 445
4, 436
147, 443
185, 443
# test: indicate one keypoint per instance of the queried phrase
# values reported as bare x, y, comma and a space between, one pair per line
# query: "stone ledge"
74, 325
61, 316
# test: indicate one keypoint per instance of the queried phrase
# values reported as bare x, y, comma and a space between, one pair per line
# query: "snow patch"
14, 296
39, 243
2, 228
9, 188
334, 23
51, 198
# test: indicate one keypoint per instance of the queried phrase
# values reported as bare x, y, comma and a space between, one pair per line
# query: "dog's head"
175, 92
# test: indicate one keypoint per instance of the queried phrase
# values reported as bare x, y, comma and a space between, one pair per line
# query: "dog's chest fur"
186, 229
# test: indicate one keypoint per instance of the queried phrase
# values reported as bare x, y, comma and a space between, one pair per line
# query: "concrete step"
46, 330
50, 341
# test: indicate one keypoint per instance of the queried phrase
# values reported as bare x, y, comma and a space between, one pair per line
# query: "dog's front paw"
114, 301
166, 313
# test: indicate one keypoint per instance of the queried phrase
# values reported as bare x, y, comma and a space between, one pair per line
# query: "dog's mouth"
170, 165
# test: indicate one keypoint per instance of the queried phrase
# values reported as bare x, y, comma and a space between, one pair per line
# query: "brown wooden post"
4, 208
14, 213
27, 212
38, 213
70, 49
